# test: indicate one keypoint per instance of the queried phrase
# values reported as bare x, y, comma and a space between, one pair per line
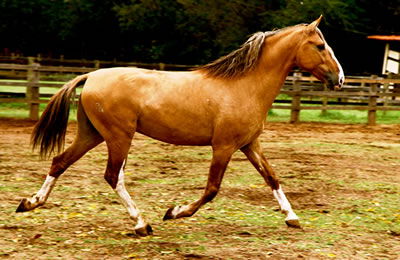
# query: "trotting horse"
223, 104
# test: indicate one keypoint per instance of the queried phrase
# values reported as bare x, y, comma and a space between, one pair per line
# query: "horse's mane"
241, 60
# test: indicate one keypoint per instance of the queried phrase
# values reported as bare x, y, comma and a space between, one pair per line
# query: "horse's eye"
321, 47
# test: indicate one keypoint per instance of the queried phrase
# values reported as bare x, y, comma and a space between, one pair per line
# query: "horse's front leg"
117, 154
141, 228
220, 160
254, 154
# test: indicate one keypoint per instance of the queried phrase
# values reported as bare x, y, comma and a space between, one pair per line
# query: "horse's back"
170, 106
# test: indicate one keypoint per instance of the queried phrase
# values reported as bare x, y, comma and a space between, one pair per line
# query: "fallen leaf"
394, 233
37, 236
75, 214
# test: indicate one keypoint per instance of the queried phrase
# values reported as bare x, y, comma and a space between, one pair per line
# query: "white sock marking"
284, 204
127, 201
179, 209
44, 192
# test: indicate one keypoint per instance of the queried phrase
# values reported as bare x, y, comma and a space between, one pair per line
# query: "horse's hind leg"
117, 153
256, 157
87, 138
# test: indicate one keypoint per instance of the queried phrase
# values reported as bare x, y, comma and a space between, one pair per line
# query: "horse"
222, 104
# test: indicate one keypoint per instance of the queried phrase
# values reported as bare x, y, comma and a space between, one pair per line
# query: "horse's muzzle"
333, 82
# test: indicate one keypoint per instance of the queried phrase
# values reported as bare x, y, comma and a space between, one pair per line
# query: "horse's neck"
277, 60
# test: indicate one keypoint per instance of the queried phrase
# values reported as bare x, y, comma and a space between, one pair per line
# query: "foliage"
175, 30
183, 31
336, 13
58, 27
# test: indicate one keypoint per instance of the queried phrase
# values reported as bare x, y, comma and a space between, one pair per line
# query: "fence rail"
81, 63
21, 83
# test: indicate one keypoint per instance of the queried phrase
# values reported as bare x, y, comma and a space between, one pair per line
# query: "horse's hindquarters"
173, 107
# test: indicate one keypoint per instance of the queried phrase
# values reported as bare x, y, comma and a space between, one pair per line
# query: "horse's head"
315, 56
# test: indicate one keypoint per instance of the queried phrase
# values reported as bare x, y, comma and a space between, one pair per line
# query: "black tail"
49, 132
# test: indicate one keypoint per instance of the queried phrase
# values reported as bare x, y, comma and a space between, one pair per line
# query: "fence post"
372, 102
32, 90
97, 64
324, 102
31, 61
295, 110
385, 98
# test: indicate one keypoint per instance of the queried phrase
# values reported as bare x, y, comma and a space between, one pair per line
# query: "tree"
187, 31
30, 26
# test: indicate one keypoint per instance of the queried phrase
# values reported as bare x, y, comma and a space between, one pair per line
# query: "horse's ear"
312, 26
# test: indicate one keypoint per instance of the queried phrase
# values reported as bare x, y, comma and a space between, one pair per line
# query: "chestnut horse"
223, 104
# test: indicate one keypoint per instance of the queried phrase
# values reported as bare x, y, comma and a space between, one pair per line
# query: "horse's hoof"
23, 206
168, 214
293, 223
144, 231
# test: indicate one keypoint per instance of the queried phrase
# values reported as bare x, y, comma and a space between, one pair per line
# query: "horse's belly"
182, 132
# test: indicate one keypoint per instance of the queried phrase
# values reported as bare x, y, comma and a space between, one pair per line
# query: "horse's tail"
49, 132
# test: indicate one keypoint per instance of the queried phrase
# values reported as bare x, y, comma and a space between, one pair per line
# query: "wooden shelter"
391, 58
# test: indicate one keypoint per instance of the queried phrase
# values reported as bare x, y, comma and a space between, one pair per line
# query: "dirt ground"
342, 180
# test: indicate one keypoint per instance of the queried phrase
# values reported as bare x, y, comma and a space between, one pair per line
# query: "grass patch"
17, 110
335, 116
21, 110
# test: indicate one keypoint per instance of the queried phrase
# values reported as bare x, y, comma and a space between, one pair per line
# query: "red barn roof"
385, 37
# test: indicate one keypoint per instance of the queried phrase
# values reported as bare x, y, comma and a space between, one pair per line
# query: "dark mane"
241, 60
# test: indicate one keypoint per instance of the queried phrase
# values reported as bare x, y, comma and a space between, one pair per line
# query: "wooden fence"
94, 64
298, 93
358, 93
